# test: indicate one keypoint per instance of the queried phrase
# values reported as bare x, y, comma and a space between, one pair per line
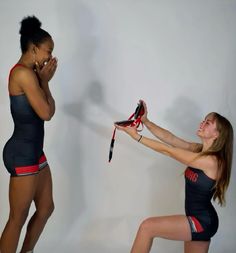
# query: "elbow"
46, 116
166, 151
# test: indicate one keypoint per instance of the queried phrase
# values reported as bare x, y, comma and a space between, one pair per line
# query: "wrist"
140, 138
145, 121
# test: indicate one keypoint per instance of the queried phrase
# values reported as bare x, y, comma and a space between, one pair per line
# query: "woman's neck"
207, 144
26, 60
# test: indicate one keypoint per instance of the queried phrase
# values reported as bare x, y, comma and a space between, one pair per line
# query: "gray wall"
179, 56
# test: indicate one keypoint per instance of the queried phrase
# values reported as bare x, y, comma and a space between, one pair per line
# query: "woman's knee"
146, 227
44, 212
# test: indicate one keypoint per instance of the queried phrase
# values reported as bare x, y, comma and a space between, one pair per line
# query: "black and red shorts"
203, 227
24, 166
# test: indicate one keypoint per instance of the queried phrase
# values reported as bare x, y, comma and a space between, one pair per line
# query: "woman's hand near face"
46, 72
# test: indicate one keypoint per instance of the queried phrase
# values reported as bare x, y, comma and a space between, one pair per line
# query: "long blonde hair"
222, 149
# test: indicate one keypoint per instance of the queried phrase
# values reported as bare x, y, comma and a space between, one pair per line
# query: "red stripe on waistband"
27, 169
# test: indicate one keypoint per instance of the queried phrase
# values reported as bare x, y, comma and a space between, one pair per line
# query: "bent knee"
146, 227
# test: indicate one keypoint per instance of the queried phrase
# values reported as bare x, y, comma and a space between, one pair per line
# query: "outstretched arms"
184, 156
165, 135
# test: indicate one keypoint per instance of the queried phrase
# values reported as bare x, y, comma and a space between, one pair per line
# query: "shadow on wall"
92, 102
90, 111
185, 116
76, 45
85, 108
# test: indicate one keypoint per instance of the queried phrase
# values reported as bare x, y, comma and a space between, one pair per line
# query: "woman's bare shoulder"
20, 78
211, 170
21, 72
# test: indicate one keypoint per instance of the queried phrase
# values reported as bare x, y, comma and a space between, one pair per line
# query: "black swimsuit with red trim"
202, 216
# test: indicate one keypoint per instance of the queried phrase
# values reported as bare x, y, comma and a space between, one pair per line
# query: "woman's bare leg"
169, 227
44, 207
196, 247
21, 194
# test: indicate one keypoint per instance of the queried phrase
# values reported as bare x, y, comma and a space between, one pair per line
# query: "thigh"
196, 247
43, 196
21, 192
174, 227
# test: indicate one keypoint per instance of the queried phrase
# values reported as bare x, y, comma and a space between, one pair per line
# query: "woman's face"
207, 128
44, 52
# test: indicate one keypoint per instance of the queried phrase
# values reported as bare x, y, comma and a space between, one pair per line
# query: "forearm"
152, 144
186, 157
161, 133
49, 97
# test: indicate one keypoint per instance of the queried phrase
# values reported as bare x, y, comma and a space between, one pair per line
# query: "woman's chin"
199, 134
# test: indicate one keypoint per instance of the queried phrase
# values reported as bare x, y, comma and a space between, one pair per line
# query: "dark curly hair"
31, 32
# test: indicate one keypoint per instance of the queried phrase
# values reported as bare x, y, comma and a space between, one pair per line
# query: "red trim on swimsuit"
16, 65
27, 169
197, 224
42, 159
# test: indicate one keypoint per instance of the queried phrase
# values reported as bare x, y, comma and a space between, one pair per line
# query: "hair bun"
29, 25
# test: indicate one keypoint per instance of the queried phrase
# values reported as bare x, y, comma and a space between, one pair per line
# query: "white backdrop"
179, 56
